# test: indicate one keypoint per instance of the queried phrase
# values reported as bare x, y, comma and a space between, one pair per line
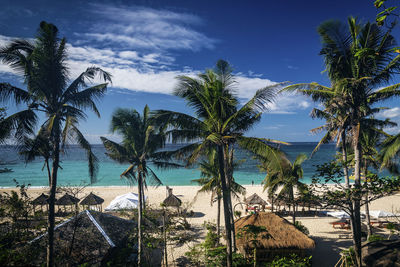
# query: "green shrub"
373, 238
292, 260
301, 228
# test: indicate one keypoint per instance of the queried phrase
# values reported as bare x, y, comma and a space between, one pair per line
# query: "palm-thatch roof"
66, 200
40, 200
94, 235
172, 201
255, 199
281, 233
92, 199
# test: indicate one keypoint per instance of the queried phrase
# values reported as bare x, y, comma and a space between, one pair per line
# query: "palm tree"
140, 142
359, 59
286, 176
211, 182
390, 151
218, 124
43, 65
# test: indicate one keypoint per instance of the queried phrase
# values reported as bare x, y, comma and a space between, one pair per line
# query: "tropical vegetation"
219, 123
43, 64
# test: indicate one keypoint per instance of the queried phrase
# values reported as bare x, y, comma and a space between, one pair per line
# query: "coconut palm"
285, 176
219, 123
43, 64
359, 59
140, 142
210, 181
390, 151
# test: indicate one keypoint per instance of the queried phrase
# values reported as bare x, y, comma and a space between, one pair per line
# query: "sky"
145, 45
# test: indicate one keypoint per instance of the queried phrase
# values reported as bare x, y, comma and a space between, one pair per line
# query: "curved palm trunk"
225, 199
140, 210
356, 199
52, 196
344, 154
294, 205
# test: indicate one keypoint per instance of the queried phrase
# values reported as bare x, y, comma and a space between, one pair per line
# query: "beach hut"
67, 200
282, 238
93, 202
40, 201
89, 238
255, 201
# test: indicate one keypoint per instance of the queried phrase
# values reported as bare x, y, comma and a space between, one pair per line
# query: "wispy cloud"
394, 115
136, 27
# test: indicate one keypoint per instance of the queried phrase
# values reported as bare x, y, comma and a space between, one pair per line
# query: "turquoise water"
75, 171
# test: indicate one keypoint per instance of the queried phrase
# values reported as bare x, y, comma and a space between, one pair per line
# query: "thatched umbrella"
40, 201
67, 200
283, 237
92, 202
255, 199
172, 201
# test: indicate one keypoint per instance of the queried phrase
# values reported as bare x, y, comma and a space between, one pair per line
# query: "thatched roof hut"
95, 236
67, 200
172, 201
282, 237
255, 199
40, 200
92, 201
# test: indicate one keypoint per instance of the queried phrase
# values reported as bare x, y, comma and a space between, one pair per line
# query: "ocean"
74, 170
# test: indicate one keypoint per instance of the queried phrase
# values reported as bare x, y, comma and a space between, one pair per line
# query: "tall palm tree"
359, 59
43, 65
140, 142
210, 181
285, 176
219, 123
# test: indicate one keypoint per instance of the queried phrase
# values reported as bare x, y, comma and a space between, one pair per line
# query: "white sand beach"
329, 241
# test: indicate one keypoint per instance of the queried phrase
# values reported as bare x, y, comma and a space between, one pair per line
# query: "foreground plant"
43, 64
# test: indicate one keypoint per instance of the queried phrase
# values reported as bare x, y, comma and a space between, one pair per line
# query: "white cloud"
138, 27
394, 115
391, 113
136, 71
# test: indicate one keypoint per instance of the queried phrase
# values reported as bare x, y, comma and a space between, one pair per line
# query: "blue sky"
146, 44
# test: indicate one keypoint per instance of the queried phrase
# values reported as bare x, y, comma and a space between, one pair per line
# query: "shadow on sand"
327, 250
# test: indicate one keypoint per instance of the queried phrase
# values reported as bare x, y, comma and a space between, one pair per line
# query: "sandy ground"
328, 243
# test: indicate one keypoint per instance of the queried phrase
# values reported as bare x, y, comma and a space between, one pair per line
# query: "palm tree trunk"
229, 176
368, 219
143, 197
225, 199
140, 191
356, 199
294, 206
218, 218
344, 154
48, 170
52, 196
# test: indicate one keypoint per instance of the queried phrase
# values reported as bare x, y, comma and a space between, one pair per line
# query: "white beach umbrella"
380, 214
338, 214
123, 202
